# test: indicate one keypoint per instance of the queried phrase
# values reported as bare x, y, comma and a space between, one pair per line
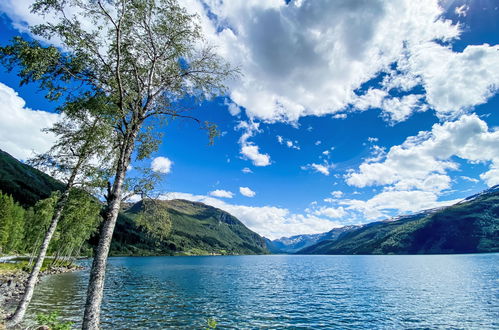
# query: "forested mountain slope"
183, 227
470, 226
176, 227
25, 184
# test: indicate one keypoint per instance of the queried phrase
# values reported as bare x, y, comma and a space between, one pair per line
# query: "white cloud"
134, 198
422, 161
337, 193
455, 82
232, 107
331, 212
248, 149
401, 201
319, 168
288, 143
373, 98
377, 154
161, 165
491, 177
20, 127
221, 193
462, 10
467, 178
329, 49
269, 221
340, 116
252, 152
246, 170
398, 109
245, 191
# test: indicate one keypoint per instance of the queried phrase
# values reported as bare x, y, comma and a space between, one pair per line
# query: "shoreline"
12, 284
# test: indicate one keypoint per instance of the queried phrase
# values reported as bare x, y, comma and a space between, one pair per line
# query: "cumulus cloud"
398, 109
20, 127
422, 161
249, 150
221, 193
161, 165
400, 201
455, 82
491, 177
331, 212
329, 49
245, 191
252, 152
269, 221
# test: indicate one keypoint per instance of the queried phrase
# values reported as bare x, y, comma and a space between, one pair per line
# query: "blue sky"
345, 114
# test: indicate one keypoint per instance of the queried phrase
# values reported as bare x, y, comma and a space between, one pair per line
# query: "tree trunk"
18, 315
95, 291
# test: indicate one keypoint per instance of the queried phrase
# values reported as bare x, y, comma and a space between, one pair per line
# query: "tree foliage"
22, 230
145, 56
11, 224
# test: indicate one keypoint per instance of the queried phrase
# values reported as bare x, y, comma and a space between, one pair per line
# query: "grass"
22, 266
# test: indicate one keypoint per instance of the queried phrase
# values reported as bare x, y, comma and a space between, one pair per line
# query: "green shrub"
52, 321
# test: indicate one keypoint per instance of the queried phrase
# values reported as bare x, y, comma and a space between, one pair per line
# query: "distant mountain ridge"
470, 226
296, 243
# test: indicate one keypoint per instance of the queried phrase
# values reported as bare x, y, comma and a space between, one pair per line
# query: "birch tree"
146, 56
83, 141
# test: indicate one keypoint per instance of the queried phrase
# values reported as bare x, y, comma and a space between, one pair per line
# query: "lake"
281, 291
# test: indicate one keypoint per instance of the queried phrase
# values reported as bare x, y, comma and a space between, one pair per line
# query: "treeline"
22, 229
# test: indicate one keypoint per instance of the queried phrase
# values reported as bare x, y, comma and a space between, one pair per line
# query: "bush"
52, 321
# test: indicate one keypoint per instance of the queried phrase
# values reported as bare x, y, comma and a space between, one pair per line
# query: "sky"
346, 112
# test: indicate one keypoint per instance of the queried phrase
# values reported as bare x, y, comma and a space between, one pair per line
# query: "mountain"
195, 228
184, 227
24, 183
470, 226
296, 243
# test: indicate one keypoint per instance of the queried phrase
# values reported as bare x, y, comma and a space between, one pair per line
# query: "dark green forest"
162, 228
471, 226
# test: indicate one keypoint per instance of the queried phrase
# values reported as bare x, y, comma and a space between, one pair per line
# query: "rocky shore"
12, 284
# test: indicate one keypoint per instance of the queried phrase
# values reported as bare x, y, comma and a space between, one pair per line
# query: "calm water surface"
375, 292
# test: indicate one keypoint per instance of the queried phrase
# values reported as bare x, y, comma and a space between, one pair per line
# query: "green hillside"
191, 228
196, 228
468, 227
24, 183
